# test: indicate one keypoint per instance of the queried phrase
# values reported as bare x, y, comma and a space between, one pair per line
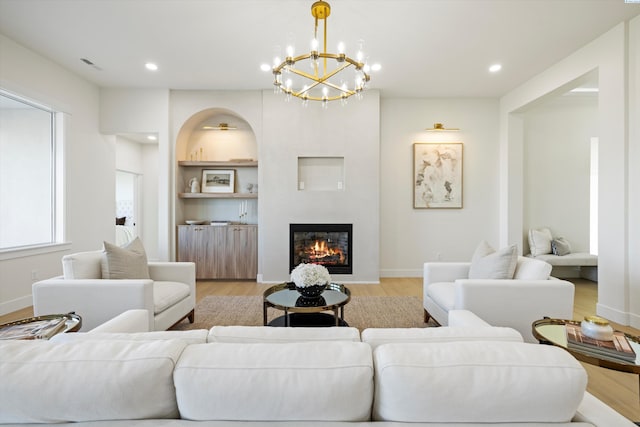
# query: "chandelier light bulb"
327, 79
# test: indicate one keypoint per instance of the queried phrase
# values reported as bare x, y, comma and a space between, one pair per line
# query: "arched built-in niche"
216, 145
201, 140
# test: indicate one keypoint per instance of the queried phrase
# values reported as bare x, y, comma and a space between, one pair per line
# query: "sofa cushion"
166, 294
379, 336
532, 269
443, 294
320, 381
127, 262
82, 265
487, 263
496, 382
195, 336
45, 382
540, 241
257, 334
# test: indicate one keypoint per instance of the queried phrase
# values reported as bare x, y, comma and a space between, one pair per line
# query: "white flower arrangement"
305, 275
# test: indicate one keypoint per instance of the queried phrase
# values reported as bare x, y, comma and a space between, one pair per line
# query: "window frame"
56, 181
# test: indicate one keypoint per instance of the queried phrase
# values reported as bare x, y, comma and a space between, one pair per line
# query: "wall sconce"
221, 126
439, 127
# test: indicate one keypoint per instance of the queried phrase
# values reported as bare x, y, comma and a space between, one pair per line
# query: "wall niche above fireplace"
330, 245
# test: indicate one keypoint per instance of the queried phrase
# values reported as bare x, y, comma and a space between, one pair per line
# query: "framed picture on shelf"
218, 180
437, 175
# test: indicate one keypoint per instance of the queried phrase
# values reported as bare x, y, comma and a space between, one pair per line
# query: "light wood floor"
618, 390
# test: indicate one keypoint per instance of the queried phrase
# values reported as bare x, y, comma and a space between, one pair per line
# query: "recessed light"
376, 67
152, 137
495, 68
265, 67
151, 66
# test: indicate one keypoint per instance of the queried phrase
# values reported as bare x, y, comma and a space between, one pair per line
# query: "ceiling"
427, 48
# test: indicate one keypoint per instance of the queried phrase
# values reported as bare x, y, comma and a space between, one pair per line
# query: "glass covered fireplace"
325, 244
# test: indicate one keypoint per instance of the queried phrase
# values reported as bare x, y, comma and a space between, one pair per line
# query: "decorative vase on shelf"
310, 279
194, 185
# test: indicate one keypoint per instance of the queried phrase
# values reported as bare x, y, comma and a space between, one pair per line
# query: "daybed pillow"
127, 262
540, 241
560, 246
487, 263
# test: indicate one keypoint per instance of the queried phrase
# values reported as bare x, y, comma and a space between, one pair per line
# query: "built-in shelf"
218, 195
217, 164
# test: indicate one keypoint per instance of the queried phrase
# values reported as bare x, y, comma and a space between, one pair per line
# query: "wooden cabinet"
220, 252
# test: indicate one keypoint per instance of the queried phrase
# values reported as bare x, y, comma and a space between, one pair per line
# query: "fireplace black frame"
346, 268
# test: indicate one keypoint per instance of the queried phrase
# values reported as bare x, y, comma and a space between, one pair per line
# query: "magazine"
619, 349
31, 330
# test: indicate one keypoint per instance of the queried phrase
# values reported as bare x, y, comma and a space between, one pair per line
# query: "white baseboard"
401, 273
16, 304
612, 314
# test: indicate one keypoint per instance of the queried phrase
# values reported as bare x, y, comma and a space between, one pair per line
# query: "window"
27, 174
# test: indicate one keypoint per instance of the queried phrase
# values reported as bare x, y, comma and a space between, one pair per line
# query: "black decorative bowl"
313, 291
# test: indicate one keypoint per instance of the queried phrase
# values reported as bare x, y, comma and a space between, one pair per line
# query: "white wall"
409, 237
292, 131
617, 204
557, 145
89, 168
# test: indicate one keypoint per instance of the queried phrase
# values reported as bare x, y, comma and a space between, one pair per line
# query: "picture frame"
218, 180
437, 175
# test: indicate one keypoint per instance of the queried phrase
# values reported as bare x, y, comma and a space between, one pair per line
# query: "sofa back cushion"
44, 382
465, 382
194, 336
532, 269
266, 334
82, 265
379, 336
319, 381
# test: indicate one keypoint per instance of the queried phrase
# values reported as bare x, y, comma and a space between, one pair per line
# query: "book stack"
618, 350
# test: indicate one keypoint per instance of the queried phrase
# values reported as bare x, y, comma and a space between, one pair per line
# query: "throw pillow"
127, 262
540, 241
487, 263
560, 246
121, 220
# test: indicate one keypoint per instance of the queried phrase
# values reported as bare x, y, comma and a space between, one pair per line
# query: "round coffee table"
299, 311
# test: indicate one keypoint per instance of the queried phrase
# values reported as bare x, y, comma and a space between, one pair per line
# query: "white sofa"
168, 295
532, 294
471, 375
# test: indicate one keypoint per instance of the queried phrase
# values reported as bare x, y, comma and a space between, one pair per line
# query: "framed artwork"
437, 175
218, 180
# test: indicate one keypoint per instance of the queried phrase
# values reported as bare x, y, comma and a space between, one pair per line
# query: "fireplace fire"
325, 244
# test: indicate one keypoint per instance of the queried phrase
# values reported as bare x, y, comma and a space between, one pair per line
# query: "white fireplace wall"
291, 131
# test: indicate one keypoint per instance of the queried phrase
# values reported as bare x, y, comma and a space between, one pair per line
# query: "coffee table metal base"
306, 320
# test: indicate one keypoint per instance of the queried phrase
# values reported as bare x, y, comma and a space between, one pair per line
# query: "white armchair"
169, 296
532, 294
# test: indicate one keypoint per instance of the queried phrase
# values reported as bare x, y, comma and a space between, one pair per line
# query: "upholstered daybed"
557, 252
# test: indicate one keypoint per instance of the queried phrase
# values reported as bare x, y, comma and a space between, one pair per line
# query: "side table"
40, 327
553, 331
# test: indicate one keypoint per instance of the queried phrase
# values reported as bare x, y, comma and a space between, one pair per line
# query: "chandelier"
319, 75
